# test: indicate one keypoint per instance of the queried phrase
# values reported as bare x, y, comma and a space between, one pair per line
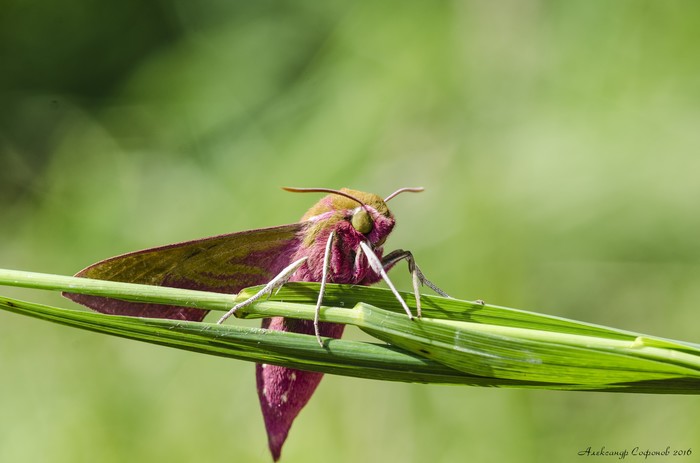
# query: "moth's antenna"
323, 190
417, 189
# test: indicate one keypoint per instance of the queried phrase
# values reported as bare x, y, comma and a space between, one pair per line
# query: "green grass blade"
517, 353
349, 358
456, 341
444, 308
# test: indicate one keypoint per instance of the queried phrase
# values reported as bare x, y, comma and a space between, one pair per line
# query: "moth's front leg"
417, 276
276, 283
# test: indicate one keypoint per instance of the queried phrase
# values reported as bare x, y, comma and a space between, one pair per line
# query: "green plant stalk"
125, 291
513, 353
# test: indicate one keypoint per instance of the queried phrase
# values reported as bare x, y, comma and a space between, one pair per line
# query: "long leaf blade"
452, 344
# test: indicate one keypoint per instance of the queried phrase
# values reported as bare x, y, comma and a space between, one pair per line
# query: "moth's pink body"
229, 263
283, 392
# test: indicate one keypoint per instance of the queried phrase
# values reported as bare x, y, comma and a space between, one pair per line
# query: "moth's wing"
223, 264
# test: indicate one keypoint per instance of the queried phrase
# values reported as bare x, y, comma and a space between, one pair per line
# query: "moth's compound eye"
361, 221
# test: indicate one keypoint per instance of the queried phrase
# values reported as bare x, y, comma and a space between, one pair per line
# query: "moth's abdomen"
282, 391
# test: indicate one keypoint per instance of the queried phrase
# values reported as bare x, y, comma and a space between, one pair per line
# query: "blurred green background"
557, 141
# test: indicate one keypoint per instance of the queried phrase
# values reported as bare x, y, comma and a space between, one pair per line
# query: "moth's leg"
416, 275
322, 290
377, 266
273, 284
395, 256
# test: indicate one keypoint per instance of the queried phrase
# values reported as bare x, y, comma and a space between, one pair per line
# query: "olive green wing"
223, 264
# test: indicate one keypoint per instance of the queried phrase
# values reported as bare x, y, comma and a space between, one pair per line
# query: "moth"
340, 240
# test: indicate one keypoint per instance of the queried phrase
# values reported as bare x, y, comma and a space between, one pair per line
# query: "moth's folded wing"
223, 264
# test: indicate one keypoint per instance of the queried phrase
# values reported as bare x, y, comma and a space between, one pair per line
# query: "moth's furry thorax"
333, 213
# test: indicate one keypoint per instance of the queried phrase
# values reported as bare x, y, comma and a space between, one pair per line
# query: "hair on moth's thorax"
340, 204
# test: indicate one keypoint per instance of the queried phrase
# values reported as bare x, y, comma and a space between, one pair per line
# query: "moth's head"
362, 213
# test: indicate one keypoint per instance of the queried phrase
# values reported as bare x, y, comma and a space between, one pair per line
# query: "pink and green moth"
338, 240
